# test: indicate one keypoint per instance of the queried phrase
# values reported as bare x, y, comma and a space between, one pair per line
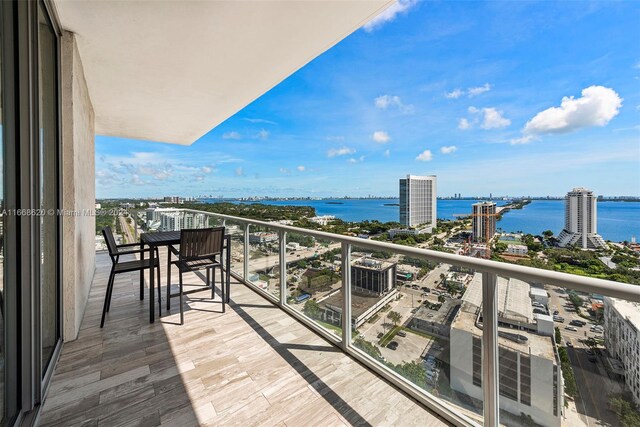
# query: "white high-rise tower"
580, 220
418, 201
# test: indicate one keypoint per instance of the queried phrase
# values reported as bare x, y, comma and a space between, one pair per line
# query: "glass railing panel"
408, 315
314, 279
236, 230
264, 259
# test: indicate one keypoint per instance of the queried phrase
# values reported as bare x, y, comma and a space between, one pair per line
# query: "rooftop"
514, 303
253, 365
627, 309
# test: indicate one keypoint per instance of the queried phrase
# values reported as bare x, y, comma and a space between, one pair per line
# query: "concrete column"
78, 187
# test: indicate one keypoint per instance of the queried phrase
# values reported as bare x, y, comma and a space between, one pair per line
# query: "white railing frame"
489, 269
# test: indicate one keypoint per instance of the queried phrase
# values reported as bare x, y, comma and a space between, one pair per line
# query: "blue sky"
512, 98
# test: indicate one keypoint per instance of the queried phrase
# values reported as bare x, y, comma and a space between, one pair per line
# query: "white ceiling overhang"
171, 71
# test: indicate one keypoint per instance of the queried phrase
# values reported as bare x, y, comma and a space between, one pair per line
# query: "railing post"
283, 266
346, 295
245, 258
490, 350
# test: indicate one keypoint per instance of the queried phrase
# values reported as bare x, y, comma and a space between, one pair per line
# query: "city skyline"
455, 90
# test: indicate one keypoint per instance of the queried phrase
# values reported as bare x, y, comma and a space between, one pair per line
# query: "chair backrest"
109, 240
201, 243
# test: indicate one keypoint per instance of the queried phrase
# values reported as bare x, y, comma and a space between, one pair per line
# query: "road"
272, 260
126, 229
594, 385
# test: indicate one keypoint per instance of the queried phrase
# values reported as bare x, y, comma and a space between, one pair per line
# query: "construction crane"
487, 237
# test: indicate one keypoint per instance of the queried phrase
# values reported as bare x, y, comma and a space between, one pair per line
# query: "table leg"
228, 269
152, 257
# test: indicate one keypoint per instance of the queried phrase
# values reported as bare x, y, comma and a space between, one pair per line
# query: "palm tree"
395, 317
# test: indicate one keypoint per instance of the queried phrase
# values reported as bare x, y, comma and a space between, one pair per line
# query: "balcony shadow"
284, 350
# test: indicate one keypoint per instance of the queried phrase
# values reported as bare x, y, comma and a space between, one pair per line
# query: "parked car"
577, 323
402, 334
571, 328
556, 312
569, 344
425, 289
392, 345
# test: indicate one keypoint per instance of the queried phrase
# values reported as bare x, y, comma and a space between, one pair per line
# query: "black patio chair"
200, 249
118, 266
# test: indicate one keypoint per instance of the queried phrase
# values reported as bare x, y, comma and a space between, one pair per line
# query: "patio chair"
200, 249
118, 266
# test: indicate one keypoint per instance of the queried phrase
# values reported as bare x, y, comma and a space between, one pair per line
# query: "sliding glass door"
30, 236
47, 192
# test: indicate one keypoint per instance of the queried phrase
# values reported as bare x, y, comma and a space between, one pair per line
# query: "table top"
163, 238
160, 238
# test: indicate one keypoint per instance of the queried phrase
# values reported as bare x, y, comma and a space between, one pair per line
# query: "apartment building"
483, 221
622, 339
581, 220
418, 201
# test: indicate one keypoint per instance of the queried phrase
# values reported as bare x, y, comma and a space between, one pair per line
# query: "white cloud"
333, 152
206, 169
487, 118
263, 134
525, 139
470, 92
387, 153
597, 106
425, 156
448, 149
386, 101
284, 170
335, 138
268, 122
358, 160
493, 119
381, 137
239, 171
637, 65
475, 91
389, 14
231, 135
454, 94
301, 168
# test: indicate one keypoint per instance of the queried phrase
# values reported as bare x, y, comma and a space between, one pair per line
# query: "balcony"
253, 365
281, 353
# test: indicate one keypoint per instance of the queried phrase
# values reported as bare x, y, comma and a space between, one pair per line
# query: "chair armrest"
134, 251
126, 245
174, 250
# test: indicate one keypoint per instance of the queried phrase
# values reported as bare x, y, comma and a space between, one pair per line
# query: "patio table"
167, 238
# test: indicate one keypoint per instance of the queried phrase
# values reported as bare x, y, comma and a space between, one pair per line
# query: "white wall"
78, 187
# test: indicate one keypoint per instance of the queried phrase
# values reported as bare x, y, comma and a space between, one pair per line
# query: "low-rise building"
363, 307
539, 295
263, 237
373, 276
622, 339
436, 322
323, 219
530, 374
518, 250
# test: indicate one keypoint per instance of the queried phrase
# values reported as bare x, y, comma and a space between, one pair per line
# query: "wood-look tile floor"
251, 366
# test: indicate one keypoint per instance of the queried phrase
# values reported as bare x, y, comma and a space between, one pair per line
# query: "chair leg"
159, 293
141, 284
107, 298
222, 288
211, 281
169, 280
112, 278
181, 301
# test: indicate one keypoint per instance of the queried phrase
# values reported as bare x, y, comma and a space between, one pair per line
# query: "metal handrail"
529, 274
489, 269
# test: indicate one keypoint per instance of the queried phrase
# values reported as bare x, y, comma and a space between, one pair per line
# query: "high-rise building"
484, 221
418, 201
580, 220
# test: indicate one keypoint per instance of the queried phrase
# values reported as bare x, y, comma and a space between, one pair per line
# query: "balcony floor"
253, 365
